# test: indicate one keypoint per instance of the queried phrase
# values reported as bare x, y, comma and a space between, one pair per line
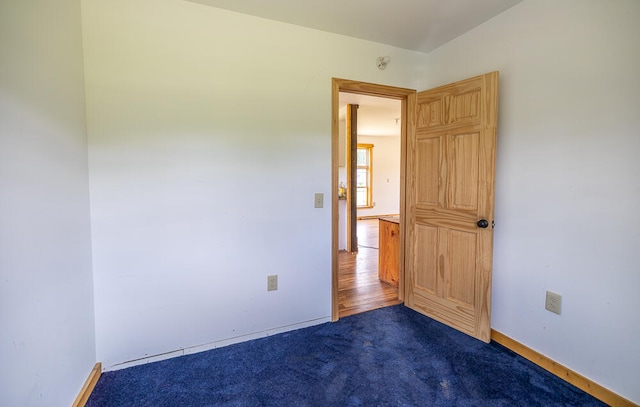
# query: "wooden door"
449, 201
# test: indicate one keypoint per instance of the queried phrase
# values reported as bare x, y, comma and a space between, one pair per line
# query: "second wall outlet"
554, 302
272, 282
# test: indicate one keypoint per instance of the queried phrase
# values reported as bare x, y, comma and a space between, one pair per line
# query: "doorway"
448, 149
368, 258
369, 192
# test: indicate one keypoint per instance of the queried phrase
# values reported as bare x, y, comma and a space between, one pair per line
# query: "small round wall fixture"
382, 62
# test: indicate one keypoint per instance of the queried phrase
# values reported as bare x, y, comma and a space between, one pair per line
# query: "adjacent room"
368, 274
170, 178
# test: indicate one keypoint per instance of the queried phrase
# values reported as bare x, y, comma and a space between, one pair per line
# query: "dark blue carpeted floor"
388, 357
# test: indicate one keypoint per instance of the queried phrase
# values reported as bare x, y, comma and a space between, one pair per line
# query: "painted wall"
47, 343
567, 189
209, 133
386, 175
386, 181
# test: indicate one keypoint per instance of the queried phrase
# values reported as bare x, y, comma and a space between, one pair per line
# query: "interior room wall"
567, 187
386, 175
209, 133
47, 341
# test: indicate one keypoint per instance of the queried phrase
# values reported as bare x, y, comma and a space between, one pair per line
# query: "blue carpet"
388, 357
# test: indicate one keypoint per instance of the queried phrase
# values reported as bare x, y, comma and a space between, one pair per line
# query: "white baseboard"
216, 344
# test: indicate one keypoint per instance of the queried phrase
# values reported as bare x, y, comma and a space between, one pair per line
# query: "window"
364, 176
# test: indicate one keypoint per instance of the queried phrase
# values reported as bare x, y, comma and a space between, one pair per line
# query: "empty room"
169, 193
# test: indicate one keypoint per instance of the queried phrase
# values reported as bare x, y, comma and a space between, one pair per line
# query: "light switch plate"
318, 201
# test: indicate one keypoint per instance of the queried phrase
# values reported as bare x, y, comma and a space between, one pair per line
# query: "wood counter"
389, 248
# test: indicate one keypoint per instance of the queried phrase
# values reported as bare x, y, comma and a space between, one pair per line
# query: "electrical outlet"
318, 200
272, 282
554, 302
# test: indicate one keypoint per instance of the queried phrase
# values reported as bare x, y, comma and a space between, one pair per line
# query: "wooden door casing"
450, 186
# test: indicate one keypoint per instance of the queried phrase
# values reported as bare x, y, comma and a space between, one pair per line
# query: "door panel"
464, 171
428, 170
426, 267
450, 178
461, 283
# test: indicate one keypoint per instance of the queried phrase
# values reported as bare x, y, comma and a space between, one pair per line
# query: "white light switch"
319, 200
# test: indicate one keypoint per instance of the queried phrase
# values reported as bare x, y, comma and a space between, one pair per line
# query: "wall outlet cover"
553, 302
272, 282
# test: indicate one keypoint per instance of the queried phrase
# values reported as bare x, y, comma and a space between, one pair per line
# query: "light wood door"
450, 192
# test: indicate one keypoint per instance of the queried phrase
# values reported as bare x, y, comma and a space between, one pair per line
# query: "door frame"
407, 98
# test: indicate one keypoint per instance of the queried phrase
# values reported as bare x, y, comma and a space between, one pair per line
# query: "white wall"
386, 175
47, 342
567, 188
209, 133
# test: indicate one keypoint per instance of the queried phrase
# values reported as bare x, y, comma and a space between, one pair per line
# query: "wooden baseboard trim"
588, 386
86, 390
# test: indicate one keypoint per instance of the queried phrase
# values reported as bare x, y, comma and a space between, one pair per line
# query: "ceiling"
417, 25
376, 116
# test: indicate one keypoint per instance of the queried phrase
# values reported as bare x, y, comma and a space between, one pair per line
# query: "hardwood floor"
359, 288
368, 233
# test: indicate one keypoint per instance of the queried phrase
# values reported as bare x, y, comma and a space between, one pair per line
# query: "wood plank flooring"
359, 288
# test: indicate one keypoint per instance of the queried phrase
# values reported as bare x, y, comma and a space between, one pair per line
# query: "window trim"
369, 168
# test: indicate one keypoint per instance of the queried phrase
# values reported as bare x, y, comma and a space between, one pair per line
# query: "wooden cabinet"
389, 248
